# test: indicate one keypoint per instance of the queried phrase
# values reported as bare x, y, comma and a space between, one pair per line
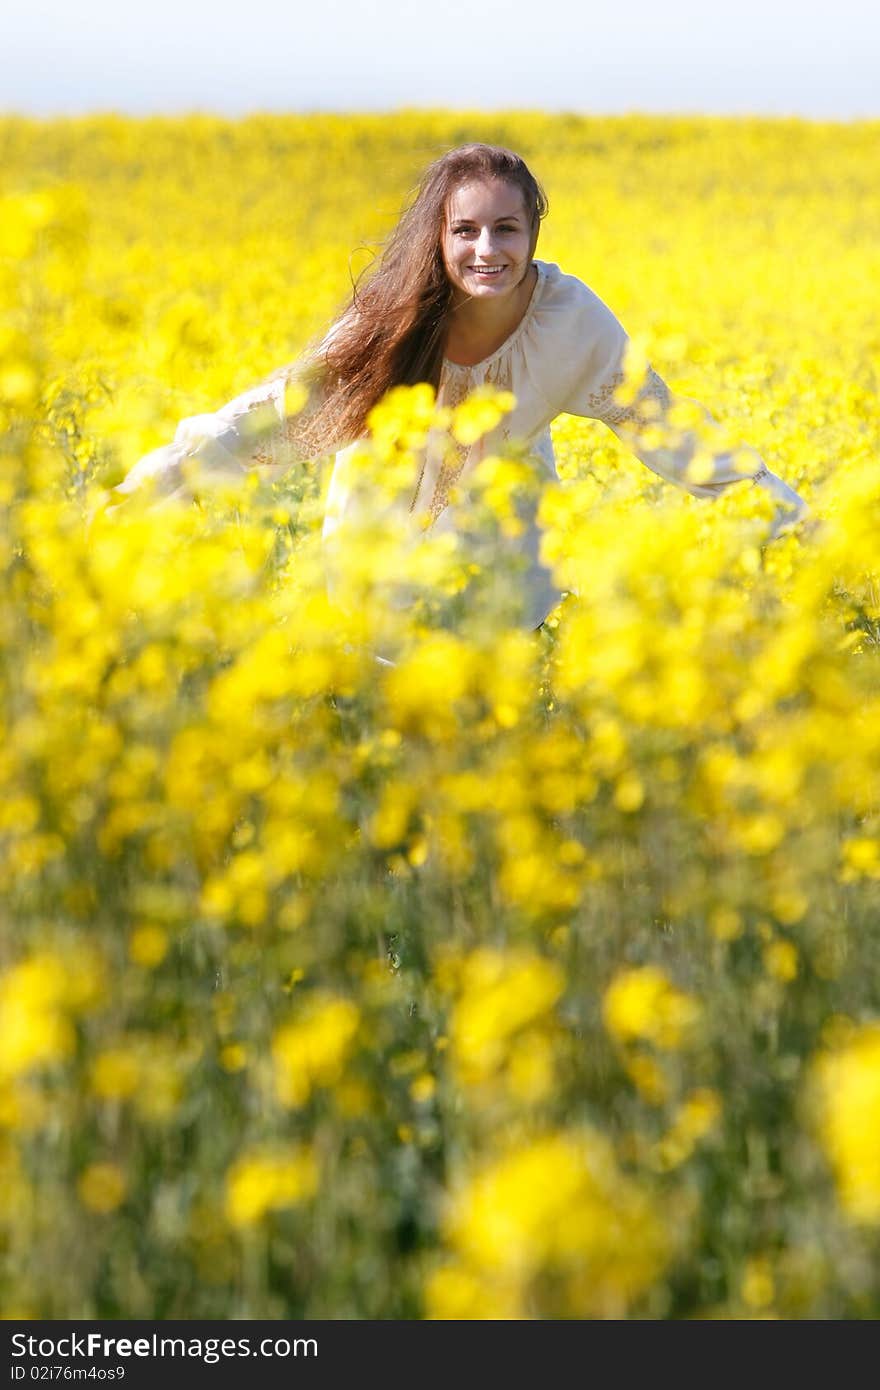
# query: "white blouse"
565, 355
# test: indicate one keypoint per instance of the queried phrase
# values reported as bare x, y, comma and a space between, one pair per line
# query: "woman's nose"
486, 242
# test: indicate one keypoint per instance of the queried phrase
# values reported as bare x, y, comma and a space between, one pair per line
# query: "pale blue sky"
814, 58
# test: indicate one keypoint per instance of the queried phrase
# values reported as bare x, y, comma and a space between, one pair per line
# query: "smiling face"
487, 239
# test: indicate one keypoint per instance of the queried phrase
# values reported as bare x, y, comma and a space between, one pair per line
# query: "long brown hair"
393, 330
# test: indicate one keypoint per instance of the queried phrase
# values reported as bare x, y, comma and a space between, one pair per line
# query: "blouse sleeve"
246, 433
642, 415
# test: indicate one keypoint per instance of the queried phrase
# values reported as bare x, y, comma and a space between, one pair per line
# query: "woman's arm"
248, 432
676, 438
692, 455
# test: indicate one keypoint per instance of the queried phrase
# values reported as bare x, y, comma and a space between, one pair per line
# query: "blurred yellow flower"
311, 1051
758, 1286
781, 960
147, 1069
482, 411
694, 1119
233, 1057
456, 1291
422, 1089
116, 1073
269, 1179
846, 1096
37, 999
726, 923
501, 994
648, 1077
423, 689
559, 1206
861, 856
642, 1004
148, 945
102, 1187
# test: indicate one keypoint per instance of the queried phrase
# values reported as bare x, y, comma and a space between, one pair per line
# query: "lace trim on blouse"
602, 405
455, 391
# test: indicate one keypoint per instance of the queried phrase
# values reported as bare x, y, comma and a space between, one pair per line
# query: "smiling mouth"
487, 271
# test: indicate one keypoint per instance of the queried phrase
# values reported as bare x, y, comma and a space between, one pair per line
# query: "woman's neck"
478, 327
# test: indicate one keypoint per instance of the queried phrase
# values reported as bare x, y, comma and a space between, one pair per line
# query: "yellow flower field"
536, 976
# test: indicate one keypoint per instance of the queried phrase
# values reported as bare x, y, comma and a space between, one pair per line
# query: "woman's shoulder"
575, 343
568, 294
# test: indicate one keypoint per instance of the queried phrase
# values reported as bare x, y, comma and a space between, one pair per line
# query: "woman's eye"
472, 231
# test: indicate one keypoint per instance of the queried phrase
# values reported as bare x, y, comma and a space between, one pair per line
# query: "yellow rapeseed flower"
846, 1095
502, 993
311, 1051
480, 413
269, 1179
758, 1285
37, 999
560, 1206
148, 944
102, 1187
116, 1073
642, 1004
781, 960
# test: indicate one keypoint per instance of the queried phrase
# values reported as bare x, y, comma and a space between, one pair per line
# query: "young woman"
458, 300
